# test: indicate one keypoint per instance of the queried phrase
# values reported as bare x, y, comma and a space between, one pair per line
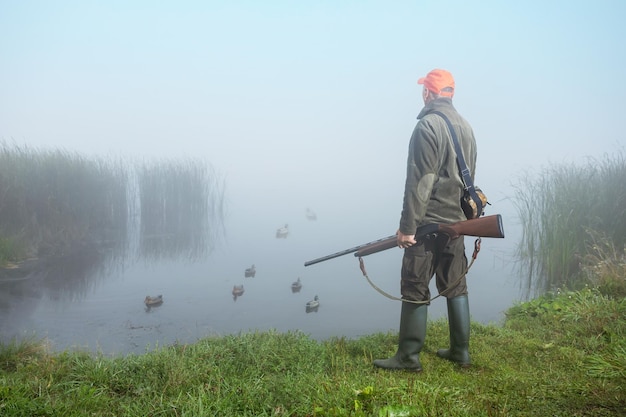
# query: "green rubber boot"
459, 324
411, 339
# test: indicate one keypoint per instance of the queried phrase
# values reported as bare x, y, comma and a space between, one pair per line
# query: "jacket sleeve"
421, 175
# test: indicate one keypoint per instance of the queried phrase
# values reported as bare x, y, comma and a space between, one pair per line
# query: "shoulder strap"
465, 173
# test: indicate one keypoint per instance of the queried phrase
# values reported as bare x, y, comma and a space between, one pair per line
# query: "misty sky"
303, 104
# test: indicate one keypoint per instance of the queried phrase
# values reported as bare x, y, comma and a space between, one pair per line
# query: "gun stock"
486, 226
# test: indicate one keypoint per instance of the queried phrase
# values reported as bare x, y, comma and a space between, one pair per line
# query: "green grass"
559, 355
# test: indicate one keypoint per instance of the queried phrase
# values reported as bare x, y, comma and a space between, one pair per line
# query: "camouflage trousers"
437, 256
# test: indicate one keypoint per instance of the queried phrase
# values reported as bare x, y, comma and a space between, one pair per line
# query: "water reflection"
312, 309
177, 210
150, 308
64, 278
60, 280
164, 211
72, 276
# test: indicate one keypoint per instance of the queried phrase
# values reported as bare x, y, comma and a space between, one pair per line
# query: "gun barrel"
382, 245
347, 251
325, 258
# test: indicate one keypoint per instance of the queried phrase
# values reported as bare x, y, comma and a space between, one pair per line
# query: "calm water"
101, 308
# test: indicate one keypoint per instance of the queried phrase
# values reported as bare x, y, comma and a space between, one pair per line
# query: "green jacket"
434, 187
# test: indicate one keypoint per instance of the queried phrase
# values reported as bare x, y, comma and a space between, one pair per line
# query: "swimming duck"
237, 290
153, 301
313, 303
250, 272
282, 232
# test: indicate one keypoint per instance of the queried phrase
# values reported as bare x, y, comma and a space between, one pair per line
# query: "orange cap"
437, 80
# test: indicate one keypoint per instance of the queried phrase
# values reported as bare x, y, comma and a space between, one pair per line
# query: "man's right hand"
405, 241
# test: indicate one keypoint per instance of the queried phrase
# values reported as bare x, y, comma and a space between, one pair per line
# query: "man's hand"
405, 241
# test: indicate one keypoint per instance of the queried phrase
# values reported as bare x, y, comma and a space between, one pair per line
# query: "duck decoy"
237, 291
296, 286
153, 301
250, 272
310, 214
313, 305
282, 232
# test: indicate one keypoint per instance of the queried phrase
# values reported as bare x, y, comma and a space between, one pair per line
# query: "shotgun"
486, 226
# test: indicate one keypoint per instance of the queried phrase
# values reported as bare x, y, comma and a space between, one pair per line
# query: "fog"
303, 105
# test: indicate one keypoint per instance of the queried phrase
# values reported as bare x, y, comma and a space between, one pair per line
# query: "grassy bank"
559, 355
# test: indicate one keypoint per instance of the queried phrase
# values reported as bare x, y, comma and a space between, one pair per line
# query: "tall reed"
561, 209
53, 200
604, 265
181, 208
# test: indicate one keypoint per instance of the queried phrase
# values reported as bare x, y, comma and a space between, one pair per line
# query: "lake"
100, 308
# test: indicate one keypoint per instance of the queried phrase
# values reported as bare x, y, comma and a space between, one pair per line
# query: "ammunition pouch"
470, 206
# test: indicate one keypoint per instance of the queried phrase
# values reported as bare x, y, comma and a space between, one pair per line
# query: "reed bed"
181, 209
563, 211
55, 202
604, 265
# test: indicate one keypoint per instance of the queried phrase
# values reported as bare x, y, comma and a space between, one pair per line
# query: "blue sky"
313, 102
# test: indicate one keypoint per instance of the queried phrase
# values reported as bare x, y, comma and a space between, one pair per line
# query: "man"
432, 194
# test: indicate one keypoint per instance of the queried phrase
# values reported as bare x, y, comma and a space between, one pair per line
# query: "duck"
237, 290
296, 285
153, 301
310, 214
250, 272
314, 303
282, 232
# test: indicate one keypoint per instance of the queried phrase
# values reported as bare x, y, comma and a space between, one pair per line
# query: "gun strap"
465, 173
444, 292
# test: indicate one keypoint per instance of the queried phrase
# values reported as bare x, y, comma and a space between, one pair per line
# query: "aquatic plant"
560, 209
181, 208
54, 202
